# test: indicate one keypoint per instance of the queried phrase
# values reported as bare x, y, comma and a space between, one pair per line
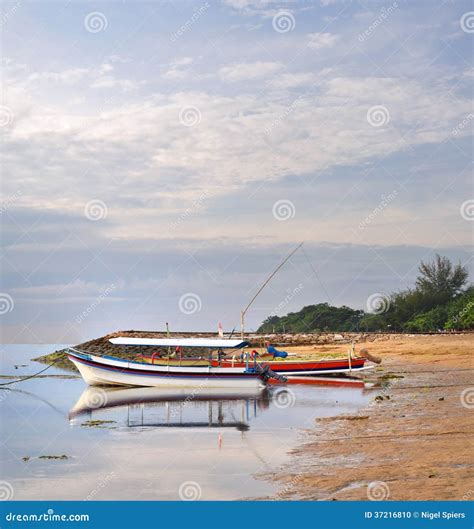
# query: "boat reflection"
189, 408
183, 408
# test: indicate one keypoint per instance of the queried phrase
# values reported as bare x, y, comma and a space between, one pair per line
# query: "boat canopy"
181, 342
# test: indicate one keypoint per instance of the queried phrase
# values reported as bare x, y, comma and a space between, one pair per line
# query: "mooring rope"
22, 379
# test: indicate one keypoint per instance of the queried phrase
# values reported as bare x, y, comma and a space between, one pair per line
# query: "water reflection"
186, 408
149, 440
180, 408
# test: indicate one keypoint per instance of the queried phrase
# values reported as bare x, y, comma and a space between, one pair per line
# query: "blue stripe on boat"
141, 372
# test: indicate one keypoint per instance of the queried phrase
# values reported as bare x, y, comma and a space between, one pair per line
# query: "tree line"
440, 300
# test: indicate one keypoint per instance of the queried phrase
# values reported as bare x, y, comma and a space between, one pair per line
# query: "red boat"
282, 367
285, 366
302, 367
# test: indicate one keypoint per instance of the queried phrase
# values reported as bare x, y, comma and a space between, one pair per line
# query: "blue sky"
161, 158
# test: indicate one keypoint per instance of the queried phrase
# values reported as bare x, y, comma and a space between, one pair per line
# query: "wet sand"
414, 441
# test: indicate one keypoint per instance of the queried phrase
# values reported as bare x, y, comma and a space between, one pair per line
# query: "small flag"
220, 331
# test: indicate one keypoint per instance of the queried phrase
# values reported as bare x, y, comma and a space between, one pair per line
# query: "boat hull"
306, 368
107, 371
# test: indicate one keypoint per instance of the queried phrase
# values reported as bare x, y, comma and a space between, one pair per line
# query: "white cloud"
162, 166
256, 6
69, 76
177, 69
318, 41
292, 80
246, 71
110, 81
183, 61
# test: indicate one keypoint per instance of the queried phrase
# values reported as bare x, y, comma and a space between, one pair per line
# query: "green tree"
438, 301
440, 278
430, 321
461, 312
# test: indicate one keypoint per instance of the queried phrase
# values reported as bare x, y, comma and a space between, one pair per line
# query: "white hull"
107, 374
94, 398
291, 374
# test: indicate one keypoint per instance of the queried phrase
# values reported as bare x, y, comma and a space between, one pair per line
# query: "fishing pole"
242, 312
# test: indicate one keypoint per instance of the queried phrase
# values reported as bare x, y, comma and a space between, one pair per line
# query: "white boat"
95, 398
107, 370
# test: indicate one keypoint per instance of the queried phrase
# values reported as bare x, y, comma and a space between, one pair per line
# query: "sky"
159, 159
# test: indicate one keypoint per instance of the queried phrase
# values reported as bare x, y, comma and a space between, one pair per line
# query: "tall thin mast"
242, 312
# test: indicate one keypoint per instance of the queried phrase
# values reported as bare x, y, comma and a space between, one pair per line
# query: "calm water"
149, 445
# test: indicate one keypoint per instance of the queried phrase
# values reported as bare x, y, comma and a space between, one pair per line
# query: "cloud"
177, 69
317, 41
292, 80
110, 81
259, 7
248, 71
276, 116
70, 76
183, 61
162, 166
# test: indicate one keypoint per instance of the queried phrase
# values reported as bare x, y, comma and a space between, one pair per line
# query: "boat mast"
242, 312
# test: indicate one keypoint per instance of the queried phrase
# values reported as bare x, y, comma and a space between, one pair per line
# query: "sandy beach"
412, 442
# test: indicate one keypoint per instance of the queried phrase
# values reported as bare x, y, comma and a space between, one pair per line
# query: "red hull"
291, 366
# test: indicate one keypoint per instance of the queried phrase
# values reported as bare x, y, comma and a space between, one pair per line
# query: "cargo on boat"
109, 370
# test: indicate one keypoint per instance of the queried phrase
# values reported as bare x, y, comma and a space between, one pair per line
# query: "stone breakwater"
102, 346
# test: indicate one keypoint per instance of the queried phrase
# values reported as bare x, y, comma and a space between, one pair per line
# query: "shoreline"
412, 442
314, 343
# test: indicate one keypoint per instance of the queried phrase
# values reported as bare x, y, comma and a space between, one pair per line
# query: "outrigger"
114, 371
